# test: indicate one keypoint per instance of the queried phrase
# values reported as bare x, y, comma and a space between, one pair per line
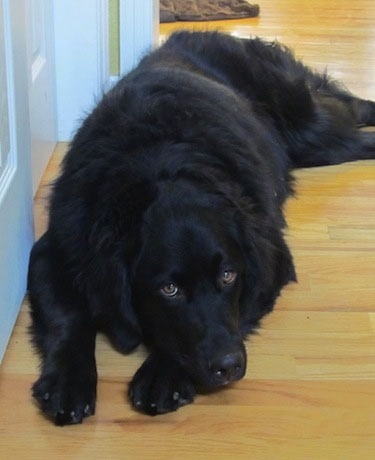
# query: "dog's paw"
160, 386
66, 399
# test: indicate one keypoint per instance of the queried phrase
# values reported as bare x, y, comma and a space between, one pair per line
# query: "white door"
27, 138
16, 221
41, 85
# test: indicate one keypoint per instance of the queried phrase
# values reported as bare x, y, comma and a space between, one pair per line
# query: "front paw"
64, 397
160, 386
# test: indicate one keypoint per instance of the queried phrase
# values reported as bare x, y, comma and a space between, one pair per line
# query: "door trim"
82, 52
139, 30
81, 56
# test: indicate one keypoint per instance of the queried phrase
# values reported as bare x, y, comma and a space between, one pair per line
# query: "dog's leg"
364, 112
334, 136
368, 144
64, 335
160, 385
362, 143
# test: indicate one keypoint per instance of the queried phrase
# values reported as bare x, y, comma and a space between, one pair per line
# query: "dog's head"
187, 283
201, 281
193, 272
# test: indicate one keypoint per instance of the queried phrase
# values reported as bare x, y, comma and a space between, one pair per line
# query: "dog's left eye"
170, 290
228, 276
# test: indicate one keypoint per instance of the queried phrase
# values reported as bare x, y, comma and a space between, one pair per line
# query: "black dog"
166, 223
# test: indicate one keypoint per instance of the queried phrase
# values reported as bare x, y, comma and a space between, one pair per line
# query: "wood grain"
309, 392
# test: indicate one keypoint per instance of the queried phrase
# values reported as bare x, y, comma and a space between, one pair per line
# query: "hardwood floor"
309, 392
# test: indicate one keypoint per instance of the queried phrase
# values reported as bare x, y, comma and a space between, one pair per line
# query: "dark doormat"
206, 10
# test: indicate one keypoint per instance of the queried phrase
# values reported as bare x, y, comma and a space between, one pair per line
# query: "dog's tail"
337, 134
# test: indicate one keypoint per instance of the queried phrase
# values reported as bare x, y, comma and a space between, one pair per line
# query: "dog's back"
317, 118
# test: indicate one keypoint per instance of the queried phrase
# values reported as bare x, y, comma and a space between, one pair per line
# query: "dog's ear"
268, 267
113, 244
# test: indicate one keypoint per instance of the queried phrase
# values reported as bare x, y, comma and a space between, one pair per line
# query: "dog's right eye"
170, 290
228, 276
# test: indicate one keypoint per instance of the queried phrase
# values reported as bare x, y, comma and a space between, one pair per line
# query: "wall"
114, 37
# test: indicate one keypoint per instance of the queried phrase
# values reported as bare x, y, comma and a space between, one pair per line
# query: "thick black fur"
166, 223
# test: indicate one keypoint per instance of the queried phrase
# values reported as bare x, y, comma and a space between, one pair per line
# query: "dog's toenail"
86, 410
176, 396
46, 396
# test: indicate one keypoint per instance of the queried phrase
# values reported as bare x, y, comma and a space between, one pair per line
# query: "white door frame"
139, 30
41, 85
82, 54
81, 59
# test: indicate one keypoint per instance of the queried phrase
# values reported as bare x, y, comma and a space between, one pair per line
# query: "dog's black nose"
228, 368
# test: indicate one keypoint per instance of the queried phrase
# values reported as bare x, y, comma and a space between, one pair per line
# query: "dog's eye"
228, 276
170, 290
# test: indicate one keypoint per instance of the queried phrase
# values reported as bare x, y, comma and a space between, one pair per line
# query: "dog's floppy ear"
268, 267
114, 242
